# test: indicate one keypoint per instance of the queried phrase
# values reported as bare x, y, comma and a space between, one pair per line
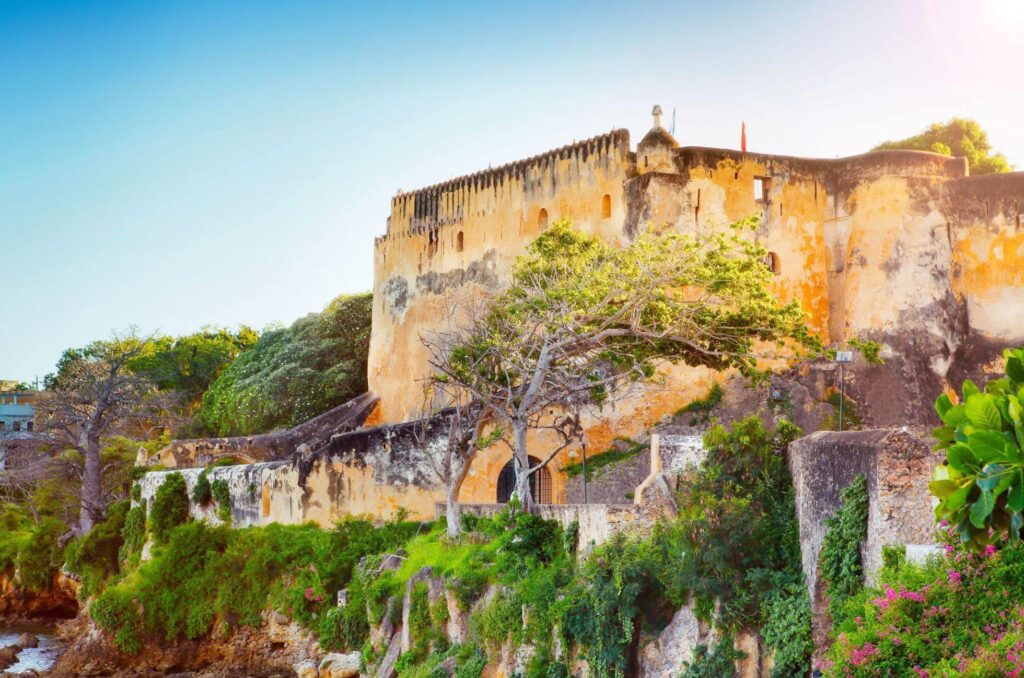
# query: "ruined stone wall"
277, 445
897, 466
373, 472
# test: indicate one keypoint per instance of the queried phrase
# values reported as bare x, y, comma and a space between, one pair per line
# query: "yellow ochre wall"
893, 246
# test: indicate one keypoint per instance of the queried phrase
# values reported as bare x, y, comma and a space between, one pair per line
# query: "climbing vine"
840, 563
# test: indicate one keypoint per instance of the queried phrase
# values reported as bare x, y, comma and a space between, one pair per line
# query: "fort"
901, 247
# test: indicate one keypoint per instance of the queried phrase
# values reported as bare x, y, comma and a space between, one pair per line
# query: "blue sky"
179, 164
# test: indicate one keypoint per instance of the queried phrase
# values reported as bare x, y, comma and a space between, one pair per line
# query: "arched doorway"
540, 483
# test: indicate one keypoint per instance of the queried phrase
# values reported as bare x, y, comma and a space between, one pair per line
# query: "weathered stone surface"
387, 664
27, 640
305, 669
9, 655
897, 466
667, 655
58, 601
336, 665
249, 651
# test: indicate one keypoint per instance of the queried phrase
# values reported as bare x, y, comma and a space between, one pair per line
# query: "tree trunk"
522, 466
453, 511
91, 511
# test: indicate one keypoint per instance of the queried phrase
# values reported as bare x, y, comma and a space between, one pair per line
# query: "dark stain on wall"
481, 272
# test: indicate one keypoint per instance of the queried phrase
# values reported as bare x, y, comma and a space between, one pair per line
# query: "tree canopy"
582, 317
961, 137
292, 374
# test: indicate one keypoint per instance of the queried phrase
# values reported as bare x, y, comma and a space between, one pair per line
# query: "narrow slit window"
606, 206
458, 242
542, 218
771, 262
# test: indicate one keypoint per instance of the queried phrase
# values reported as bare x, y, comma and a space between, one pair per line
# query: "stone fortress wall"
901, 247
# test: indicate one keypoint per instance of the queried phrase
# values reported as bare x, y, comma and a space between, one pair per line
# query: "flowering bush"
958, 615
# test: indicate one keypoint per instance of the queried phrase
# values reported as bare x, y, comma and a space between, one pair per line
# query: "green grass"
604, 459
447, 559
705, 404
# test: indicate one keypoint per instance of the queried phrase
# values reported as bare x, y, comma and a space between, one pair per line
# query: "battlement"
449, 202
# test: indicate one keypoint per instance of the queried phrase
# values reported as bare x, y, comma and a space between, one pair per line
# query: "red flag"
743, 137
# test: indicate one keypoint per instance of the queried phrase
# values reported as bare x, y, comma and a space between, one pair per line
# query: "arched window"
540, 483
606, 206
458, 242
542, 218
771, 262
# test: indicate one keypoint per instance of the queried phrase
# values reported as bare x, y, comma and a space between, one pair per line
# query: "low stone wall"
314, 434
897, 466
597, 522
373, 472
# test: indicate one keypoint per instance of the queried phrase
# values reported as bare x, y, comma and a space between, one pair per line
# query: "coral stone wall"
897, 246
897, 466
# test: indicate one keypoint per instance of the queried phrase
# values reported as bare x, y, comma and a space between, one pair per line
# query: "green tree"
292, 374
960, 137
581, 318
190, 363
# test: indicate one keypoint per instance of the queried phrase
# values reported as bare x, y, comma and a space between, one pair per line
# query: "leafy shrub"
117, 612
738, 522
170, 507
786, 615
842, 572
222, 493
40, 557
716, 662
95, 557
625, 582
981, 485
133, 534
203, 575
201, 493
957, 615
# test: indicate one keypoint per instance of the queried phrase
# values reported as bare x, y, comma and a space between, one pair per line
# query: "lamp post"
843, 358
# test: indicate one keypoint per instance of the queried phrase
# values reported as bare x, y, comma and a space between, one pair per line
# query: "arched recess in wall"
606, 206
771, 262
542, 218
540, 483
458, 242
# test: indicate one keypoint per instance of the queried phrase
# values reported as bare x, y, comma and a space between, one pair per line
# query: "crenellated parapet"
451, 202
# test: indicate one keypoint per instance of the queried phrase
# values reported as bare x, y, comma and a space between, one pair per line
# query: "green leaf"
969, 389
1015, 497
988, 446
982, 412
943, 488
1015, 368
955, 415
943, 434
990, 477
962, 458
955, 501
982, 509
942, 405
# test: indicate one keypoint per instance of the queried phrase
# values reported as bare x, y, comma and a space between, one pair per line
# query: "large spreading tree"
94, 396
582, 319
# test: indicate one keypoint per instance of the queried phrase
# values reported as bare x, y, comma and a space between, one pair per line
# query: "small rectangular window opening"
761, 187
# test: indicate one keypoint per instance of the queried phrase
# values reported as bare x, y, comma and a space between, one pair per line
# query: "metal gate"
540, 483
